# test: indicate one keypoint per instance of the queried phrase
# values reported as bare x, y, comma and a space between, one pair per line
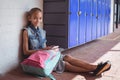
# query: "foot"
102, 67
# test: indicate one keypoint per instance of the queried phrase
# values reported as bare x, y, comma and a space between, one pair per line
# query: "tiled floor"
105, 48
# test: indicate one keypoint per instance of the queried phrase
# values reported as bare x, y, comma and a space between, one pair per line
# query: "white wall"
11, 23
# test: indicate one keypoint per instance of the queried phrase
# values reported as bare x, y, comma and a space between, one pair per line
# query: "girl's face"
36, 18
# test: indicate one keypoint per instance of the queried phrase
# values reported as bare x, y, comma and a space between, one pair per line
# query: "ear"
29, 18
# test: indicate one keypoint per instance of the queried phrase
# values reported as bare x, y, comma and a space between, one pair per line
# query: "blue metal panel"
102, 17
98, 18
94, 20
106, 15
82, 22
89, 20
73, 23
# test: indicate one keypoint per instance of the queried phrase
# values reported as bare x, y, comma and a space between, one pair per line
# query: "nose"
38, 20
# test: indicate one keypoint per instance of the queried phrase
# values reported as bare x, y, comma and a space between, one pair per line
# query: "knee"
67, 58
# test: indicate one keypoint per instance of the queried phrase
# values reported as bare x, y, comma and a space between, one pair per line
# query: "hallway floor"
105, 48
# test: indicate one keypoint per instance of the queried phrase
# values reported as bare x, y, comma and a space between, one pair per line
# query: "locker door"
98, 18
82, 21
89, 20
106, 15
73, 23
102, 17
94, 20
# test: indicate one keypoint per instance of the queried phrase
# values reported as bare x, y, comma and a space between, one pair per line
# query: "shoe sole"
103, 69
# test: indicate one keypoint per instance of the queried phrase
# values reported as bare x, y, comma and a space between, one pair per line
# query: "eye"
40, 18
35, 18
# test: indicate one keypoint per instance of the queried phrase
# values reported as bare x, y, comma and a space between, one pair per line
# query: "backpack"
41, 63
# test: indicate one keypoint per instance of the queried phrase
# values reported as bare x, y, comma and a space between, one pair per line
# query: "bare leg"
76, 62
71, 68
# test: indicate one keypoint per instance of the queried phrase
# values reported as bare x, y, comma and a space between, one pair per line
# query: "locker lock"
92, 14
79, 13
97, 17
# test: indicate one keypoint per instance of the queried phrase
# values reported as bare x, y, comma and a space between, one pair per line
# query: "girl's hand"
55, 48
48, 48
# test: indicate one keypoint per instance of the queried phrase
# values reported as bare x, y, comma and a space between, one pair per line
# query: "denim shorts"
60, 66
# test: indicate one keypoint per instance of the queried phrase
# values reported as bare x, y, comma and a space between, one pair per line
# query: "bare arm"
26, 47
25, 44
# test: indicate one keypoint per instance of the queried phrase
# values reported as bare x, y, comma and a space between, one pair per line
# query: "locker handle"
79, 13
86, 14
92, 14
97, 17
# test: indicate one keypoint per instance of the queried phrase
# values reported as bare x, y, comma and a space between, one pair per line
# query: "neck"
35, 27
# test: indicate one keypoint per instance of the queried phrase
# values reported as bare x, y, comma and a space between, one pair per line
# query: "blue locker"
82, 22
98, 18
94, 20
89, 21
73, 23
102, 17
106, 15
